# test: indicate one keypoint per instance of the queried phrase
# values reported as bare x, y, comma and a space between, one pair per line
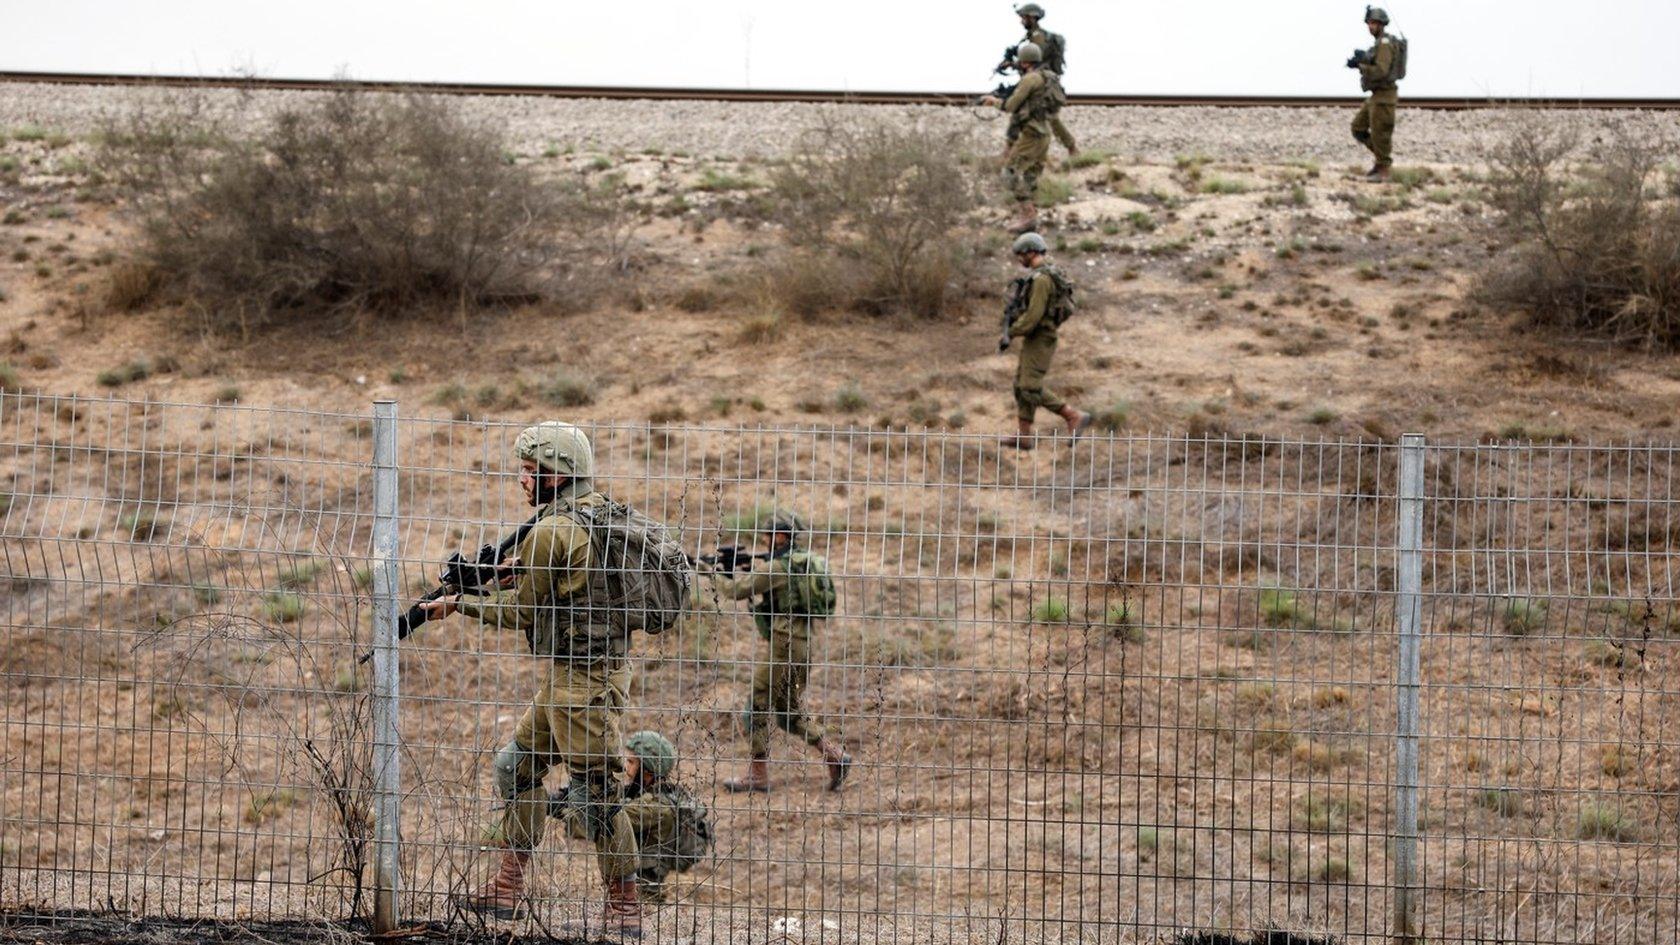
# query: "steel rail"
808, 95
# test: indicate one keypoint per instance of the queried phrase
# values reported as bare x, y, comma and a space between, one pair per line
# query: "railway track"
796, 95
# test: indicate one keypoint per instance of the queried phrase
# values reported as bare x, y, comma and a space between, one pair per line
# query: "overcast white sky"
1459, 47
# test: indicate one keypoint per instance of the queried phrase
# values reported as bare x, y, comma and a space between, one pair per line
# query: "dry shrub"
874, 215
347, 203
1595, 246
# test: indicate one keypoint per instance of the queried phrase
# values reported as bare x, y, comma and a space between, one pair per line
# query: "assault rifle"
1359, 58
1019, 292
732, 558
480, 572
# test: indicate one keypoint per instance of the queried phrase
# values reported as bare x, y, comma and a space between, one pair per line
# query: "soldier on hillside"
574, 719
1054, 48
1037, 98
673, 829
1379, 74
791, 596
1039, 303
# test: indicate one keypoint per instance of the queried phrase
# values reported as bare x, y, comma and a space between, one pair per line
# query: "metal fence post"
1408, 610
386, 682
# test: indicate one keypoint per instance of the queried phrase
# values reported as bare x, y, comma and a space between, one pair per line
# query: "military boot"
755, 781
504, 895
1026, 221
1078, 421
622, 914
1022, 440
839, 763
1379, 174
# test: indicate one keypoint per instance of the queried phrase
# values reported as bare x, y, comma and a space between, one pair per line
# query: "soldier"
673, 829
1036, 99
1055, 59
1039, 303
574, 718
794, 593
1374, 125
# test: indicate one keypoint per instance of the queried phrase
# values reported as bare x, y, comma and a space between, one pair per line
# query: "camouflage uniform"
1040, 37
574, 717
1038, 349
1373, 126
651, 807
779, 682
1029, 133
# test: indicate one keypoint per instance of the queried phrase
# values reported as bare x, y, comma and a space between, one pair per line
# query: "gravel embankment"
726, 129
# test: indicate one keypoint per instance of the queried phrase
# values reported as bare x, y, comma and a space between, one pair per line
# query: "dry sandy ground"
1191, 749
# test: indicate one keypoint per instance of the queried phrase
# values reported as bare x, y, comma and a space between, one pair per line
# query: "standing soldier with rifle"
586, 573
1037, 98
1380, 70
1039, 303
1054, 47
794, 592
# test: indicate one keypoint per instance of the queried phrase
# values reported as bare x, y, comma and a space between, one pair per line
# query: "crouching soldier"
673, 828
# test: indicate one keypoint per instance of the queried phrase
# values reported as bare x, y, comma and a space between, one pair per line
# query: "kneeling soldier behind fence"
673, 829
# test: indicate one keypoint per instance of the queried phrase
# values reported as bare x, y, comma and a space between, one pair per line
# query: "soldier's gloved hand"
1003, 343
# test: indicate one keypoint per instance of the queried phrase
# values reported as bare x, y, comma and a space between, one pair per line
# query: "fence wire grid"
1100, 692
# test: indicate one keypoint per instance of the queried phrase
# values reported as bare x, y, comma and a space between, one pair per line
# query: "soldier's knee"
515, 771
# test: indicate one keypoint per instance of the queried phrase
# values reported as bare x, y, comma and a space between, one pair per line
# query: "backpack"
693, 840
1064, 305
810, 585
1055, 51
1401, 47
641, 580
1048, 101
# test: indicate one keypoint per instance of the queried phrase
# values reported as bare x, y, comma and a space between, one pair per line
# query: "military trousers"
1024, 162
573, 722
778, 692
1037, 351
1374, 125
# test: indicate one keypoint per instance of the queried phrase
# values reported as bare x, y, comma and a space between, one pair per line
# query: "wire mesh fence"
1108, 691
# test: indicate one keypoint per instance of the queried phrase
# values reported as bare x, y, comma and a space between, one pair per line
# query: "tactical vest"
689, 844
638, 579
810, 591
1390, 80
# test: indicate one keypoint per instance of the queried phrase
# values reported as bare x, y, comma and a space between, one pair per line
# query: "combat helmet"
786, 523
1029, 52
1030, 243
1377, 15
557, 447
655, 751
1030, 9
